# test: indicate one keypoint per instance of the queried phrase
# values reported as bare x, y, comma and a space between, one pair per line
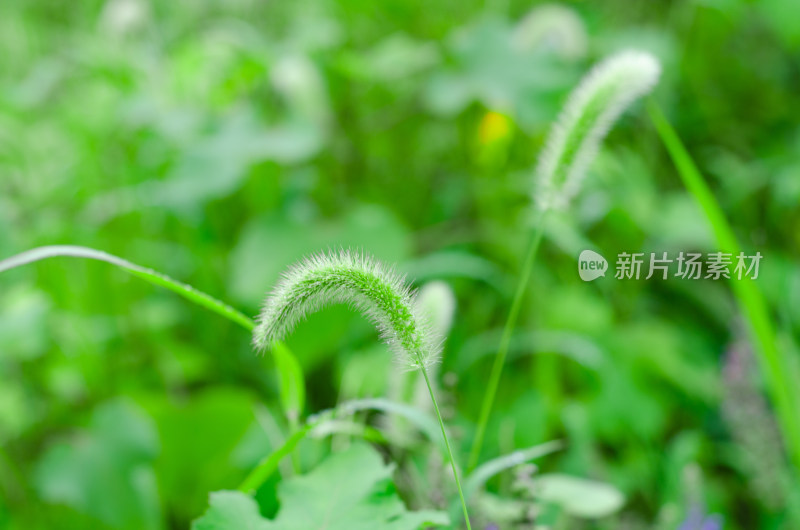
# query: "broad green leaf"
19, 409
393, 59
455, 264
351, 490
566, 344
487, 470
425, 423
216, 166
232, 510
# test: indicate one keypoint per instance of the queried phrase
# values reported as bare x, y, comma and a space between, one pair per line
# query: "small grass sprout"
371, 288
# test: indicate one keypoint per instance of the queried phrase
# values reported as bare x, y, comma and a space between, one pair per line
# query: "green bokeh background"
220, 141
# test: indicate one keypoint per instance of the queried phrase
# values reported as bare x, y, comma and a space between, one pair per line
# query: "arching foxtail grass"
591, 110
292, 390
775, 364
372, 289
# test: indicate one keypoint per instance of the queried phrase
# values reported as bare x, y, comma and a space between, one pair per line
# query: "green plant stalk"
269, 464
505, 341
294, 427
447, 445
774, 364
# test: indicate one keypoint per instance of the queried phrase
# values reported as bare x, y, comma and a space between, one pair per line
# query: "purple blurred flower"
699, 520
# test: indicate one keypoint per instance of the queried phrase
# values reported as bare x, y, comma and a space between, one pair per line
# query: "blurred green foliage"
220, 141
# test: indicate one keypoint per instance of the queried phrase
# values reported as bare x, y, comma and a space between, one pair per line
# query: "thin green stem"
447, 446
265, 468
505, 341
774, 363
269, 464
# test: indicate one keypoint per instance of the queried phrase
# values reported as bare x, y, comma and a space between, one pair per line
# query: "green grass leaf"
156, 278
289, 371
778, 371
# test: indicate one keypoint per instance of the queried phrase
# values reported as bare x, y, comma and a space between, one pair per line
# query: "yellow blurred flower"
494, 128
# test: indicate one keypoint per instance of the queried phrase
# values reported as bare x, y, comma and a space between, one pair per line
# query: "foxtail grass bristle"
591, 110
366, 285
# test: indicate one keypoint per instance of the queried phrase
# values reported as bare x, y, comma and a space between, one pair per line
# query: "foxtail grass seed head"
591, 110
360, 281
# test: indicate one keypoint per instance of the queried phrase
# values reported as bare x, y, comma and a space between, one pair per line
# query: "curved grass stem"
505, 341
154, 277
289, 370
